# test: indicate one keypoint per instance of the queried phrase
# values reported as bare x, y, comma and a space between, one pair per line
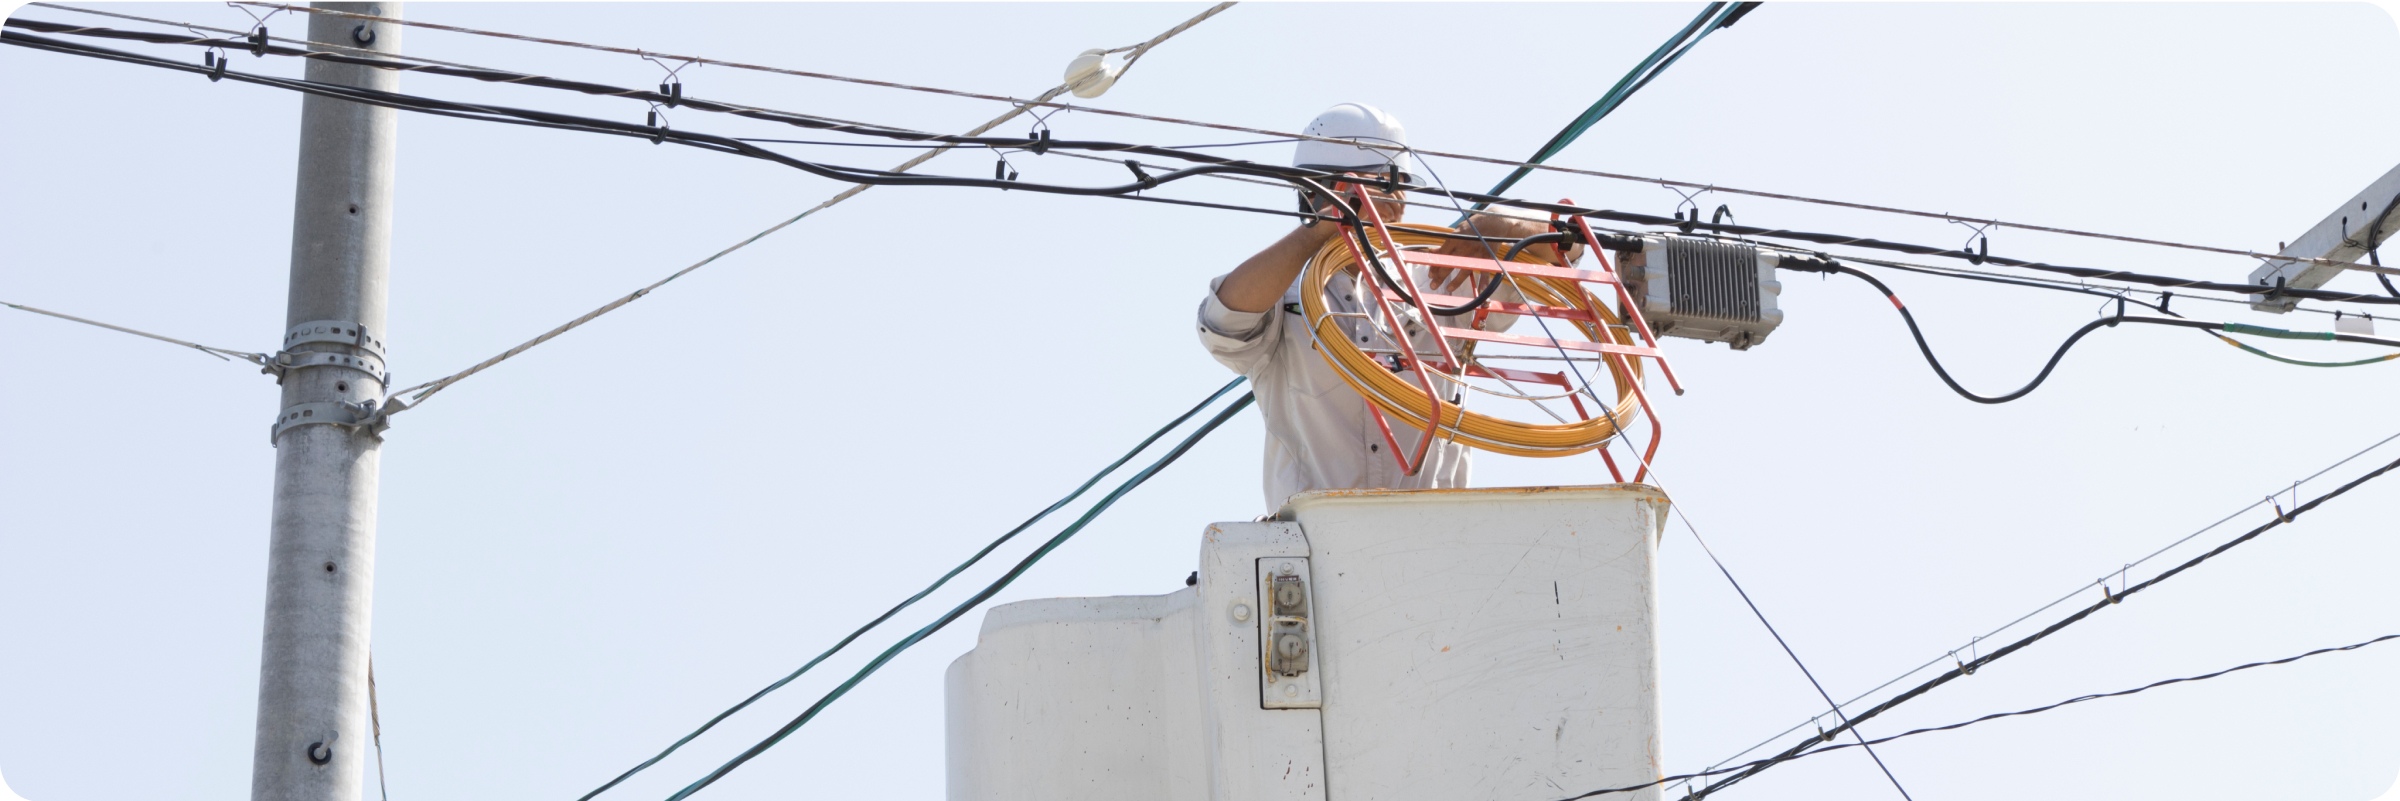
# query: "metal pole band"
336, 331
347, 415
369, 363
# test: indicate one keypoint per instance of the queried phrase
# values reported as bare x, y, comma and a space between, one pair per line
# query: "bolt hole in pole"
328, 567
319, 753
341, 386
353, 208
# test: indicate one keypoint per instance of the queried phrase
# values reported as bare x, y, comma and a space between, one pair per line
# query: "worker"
1320, 433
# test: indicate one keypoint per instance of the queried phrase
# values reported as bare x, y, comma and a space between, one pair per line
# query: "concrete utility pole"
312, 679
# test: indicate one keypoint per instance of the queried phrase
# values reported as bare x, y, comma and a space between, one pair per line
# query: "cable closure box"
1705, 289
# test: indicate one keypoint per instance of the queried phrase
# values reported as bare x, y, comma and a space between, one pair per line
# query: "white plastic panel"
1486, 644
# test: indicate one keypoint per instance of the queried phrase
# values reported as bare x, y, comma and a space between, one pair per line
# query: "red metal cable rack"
1619, 357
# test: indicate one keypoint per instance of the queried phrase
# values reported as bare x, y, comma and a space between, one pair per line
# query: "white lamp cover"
1092, 73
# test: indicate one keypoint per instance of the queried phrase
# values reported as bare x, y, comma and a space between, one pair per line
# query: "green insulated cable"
985, 595
937, 583
1716, 15
2246, 329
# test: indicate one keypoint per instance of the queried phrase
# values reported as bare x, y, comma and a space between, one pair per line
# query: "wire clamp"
1981, 239
214, 59
1002, 171
2279, 513
658, 126
366, 417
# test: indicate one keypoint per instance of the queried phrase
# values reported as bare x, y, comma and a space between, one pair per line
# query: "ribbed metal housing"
1705, 289
1715, 280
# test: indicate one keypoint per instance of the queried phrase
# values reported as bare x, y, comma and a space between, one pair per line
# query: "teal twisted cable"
1716, 15
913, 599
986, 594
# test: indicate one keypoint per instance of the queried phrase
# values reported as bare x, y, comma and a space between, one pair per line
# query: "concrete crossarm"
2342, 236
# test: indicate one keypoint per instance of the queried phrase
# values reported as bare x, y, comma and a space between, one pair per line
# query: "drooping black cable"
1978, 663
1995, 716
1493, 285
2374, 234
2104, 322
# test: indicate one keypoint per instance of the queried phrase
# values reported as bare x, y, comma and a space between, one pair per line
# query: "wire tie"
1041, 141
2279, 513
673, 91
216, 65
1144, 179
2165, 298
258, 41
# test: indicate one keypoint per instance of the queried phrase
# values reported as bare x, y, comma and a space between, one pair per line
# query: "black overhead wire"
1994, 716
1969, 667
1828, 265
1293, 175
1302, 178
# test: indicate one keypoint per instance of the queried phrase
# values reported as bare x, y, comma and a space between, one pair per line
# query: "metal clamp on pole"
368, 417
340, 332
336, 331
282, 363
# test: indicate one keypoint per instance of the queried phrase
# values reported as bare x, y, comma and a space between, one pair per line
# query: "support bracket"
368, 417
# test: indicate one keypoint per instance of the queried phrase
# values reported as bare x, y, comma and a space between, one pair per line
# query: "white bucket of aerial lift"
1369, 645
1356, 122
1092, 73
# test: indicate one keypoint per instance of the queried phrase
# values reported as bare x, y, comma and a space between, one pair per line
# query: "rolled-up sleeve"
1239, 340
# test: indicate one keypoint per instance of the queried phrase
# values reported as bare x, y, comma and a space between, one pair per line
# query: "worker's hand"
1503, 231
1387, 205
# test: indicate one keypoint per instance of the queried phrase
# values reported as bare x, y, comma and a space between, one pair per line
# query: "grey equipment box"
1704, 289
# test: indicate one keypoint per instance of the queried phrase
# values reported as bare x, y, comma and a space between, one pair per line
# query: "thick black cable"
2105, 322
937, 584
1296, 175
1995, 716
1493, 285
2374, 237
1969, 667
1301, 178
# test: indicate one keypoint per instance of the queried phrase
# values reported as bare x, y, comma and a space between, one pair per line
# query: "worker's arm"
1259, 282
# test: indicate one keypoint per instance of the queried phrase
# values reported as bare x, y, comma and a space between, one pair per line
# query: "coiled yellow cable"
1405, 403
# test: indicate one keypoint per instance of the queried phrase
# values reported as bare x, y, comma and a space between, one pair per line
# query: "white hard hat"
1357, 122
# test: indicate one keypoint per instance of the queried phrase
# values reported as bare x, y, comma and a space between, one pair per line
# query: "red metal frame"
1618, 357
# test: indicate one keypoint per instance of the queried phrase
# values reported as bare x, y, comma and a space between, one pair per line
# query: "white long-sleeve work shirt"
1320, 434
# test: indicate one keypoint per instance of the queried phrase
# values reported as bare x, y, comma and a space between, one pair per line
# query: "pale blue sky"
589, 550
